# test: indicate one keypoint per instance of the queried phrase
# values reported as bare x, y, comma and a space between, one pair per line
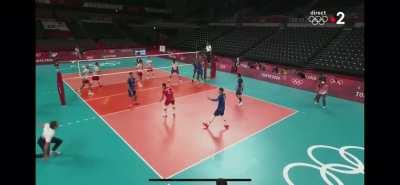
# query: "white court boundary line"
137, 153
233, 144
243, 139
206, 158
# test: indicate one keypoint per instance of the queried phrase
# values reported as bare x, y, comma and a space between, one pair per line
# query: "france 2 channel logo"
321, 18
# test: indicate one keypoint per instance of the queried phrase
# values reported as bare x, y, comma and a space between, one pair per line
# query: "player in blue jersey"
132, 89
239, 89
194, 69
220, 108
199, 71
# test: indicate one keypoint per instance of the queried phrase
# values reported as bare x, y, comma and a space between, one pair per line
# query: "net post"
79, 67
60, 86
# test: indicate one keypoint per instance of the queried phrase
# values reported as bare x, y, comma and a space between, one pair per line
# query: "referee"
49, 130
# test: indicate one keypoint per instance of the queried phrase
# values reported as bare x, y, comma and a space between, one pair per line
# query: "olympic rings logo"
297, 82
356, 165
334, 81
318, 20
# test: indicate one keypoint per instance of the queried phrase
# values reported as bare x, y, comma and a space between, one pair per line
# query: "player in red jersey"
169, 99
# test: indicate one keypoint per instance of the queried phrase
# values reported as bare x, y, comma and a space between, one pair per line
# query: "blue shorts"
239, 91
219, 112
131, 92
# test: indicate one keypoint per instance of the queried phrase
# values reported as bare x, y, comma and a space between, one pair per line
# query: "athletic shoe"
315, 102
226, 127
240, 104
205, 125
324, 107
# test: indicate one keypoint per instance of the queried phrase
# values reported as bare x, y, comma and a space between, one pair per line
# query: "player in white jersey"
96, 74
140, 69
149, 68
174, 71
85, 80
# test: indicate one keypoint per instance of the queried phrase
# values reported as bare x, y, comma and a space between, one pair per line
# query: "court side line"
140, 107
233, 144
137, 153
118, 94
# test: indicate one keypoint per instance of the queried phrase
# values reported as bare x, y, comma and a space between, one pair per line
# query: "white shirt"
149, 63
48, 133
174, 66
85, 73
139, 67
208, 48
96, 70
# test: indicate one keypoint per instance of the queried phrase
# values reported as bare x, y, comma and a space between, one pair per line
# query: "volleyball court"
173, 144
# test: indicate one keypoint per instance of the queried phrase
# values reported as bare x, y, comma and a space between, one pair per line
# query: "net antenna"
79, 68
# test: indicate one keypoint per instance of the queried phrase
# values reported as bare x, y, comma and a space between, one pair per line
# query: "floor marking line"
208, 157
231, 145
137, 153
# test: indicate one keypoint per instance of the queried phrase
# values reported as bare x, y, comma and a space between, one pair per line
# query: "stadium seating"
55, 44
292, 46
86, 44
77, 29
117, 43
239, 40
198, 38
344, 54
40, 32
102, 30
